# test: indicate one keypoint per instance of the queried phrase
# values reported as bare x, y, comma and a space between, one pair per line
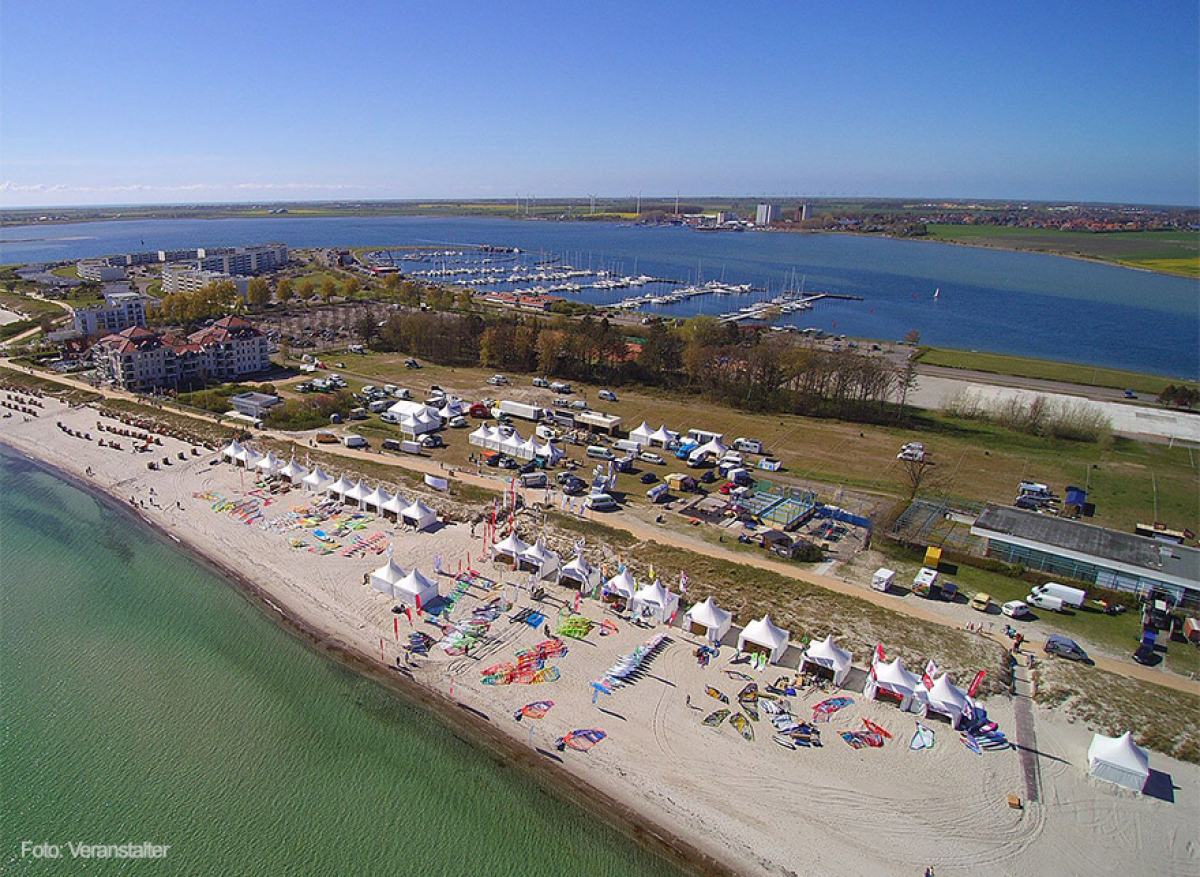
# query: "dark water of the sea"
991, 300
142, 698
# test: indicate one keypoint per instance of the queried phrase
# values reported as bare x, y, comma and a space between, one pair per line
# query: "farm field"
1168, 252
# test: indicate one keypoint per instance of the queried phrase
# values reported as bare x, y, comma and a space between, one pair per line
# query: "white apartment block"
121, 309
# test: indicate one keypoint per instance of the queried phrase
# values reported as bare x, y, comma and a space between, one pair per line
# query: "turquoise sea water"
142, 698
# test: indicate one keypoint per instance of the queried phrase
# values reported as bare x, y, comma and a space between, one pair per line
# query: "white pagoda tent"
642, 434
509, 548
511, 444
419, 515
376, 499
948, 700
764, 637
248, 458
663, 436
394, 506
826, 656
415, 590
483, 437
339, 487
585, 576
540, 559
713, 448
894, 680
550, 453
623, 585
384, 579
1119, 760
293, 471
655, 601
415, 418
230, 451
270, 464
317, 481
709, 620
357, 493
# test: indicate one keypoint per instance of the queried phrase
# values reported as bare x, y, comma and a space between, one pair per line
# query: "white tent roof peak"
511, 544
232, 449
709, 614
395, 504
340, 486
765, 633
623, 583
390, 571
317, 479
653, 593
662, 434
827, 651
270, 462
293, 470
896, 676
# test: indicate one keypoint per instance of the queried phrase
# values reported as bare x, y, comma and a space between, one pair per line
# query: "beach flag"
408, 614
975, 684
382, 653
417, 598
651, 572
878, 657
931, 670
396, 625
683, 582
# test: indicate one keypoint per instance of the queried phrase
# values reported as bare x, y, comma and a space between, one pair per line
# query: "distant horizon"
932, 200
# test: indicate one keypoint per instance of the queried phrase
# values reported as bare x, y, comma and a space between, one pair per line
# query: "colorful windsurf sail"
581, 740
712, 692
535, 710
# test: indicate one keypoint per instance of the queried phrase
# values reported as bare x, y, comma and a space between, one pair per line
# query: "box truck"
520, 409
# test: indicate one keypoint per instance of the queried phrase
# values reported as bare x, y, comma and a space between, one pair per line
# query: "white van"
598, 453
355, 441
628, 445
882, 580
658, 492
600, 502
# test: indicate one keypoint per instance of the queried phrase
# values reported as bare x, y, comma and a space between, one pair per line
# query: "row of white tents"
395, 506
509, 441
410, 587
647, 436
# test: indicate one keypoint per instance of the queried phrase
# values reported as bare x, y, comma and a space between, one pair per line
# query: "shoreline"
453, 715
702, 797
1095, 260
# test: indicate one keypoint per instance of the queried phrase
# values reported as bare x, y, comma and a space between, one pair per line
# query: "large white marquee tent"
415, 590
509, 547
894, 680
585, 576
384, 579
419, 515
948, 700
539, 559
317, 481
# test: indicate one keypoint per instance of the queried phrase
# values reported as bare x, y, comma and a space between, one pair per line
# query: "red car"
480, 411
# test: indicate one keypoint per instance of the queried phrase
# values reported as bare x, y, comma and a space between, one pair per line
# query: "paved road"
650, 532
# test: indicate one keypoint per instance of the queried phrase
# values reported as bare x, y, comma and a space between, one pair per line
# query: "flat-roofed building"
122, 308
1107, 558
98, 270
188, 277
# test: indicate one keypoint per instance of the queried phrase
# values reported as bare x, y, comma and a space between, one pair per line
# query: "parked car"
579, 405
432, 441
508, 463
1065, 647
561, 403
1015, 609
574, 486
411, 363
531, 466
651, 457
541, 382
708, 477
497, 380
648, 478
1041, 601
981, 602
458, 422
608, 395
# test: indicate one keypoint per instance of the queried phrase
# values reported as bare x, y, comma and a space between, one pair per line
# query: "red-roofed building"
137, 359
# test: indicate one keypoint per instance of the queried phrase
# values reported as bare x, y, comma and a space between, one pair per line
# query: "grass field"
982, 462
1168, 252
1044, 369
34, 308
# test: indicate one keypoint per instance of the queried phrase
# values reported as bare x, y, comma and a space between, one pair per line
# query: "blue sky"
123, 102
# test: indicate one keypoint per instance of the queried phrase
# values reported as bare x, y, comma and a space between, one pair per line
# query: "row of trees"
702, 356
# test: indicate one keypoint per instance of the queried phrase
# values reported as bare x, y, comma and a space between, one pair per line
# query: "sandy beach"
751, 806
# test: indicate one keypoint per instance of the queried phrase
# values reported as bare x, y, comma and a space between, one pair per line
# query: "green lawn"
980, 462
1044, 369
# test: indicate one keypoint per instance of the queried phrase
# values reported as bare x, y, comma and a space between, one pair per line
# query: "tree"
305, 289
913, 337
284, 290
258, 293
350, 288
907, 379
919, 475
328, 289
